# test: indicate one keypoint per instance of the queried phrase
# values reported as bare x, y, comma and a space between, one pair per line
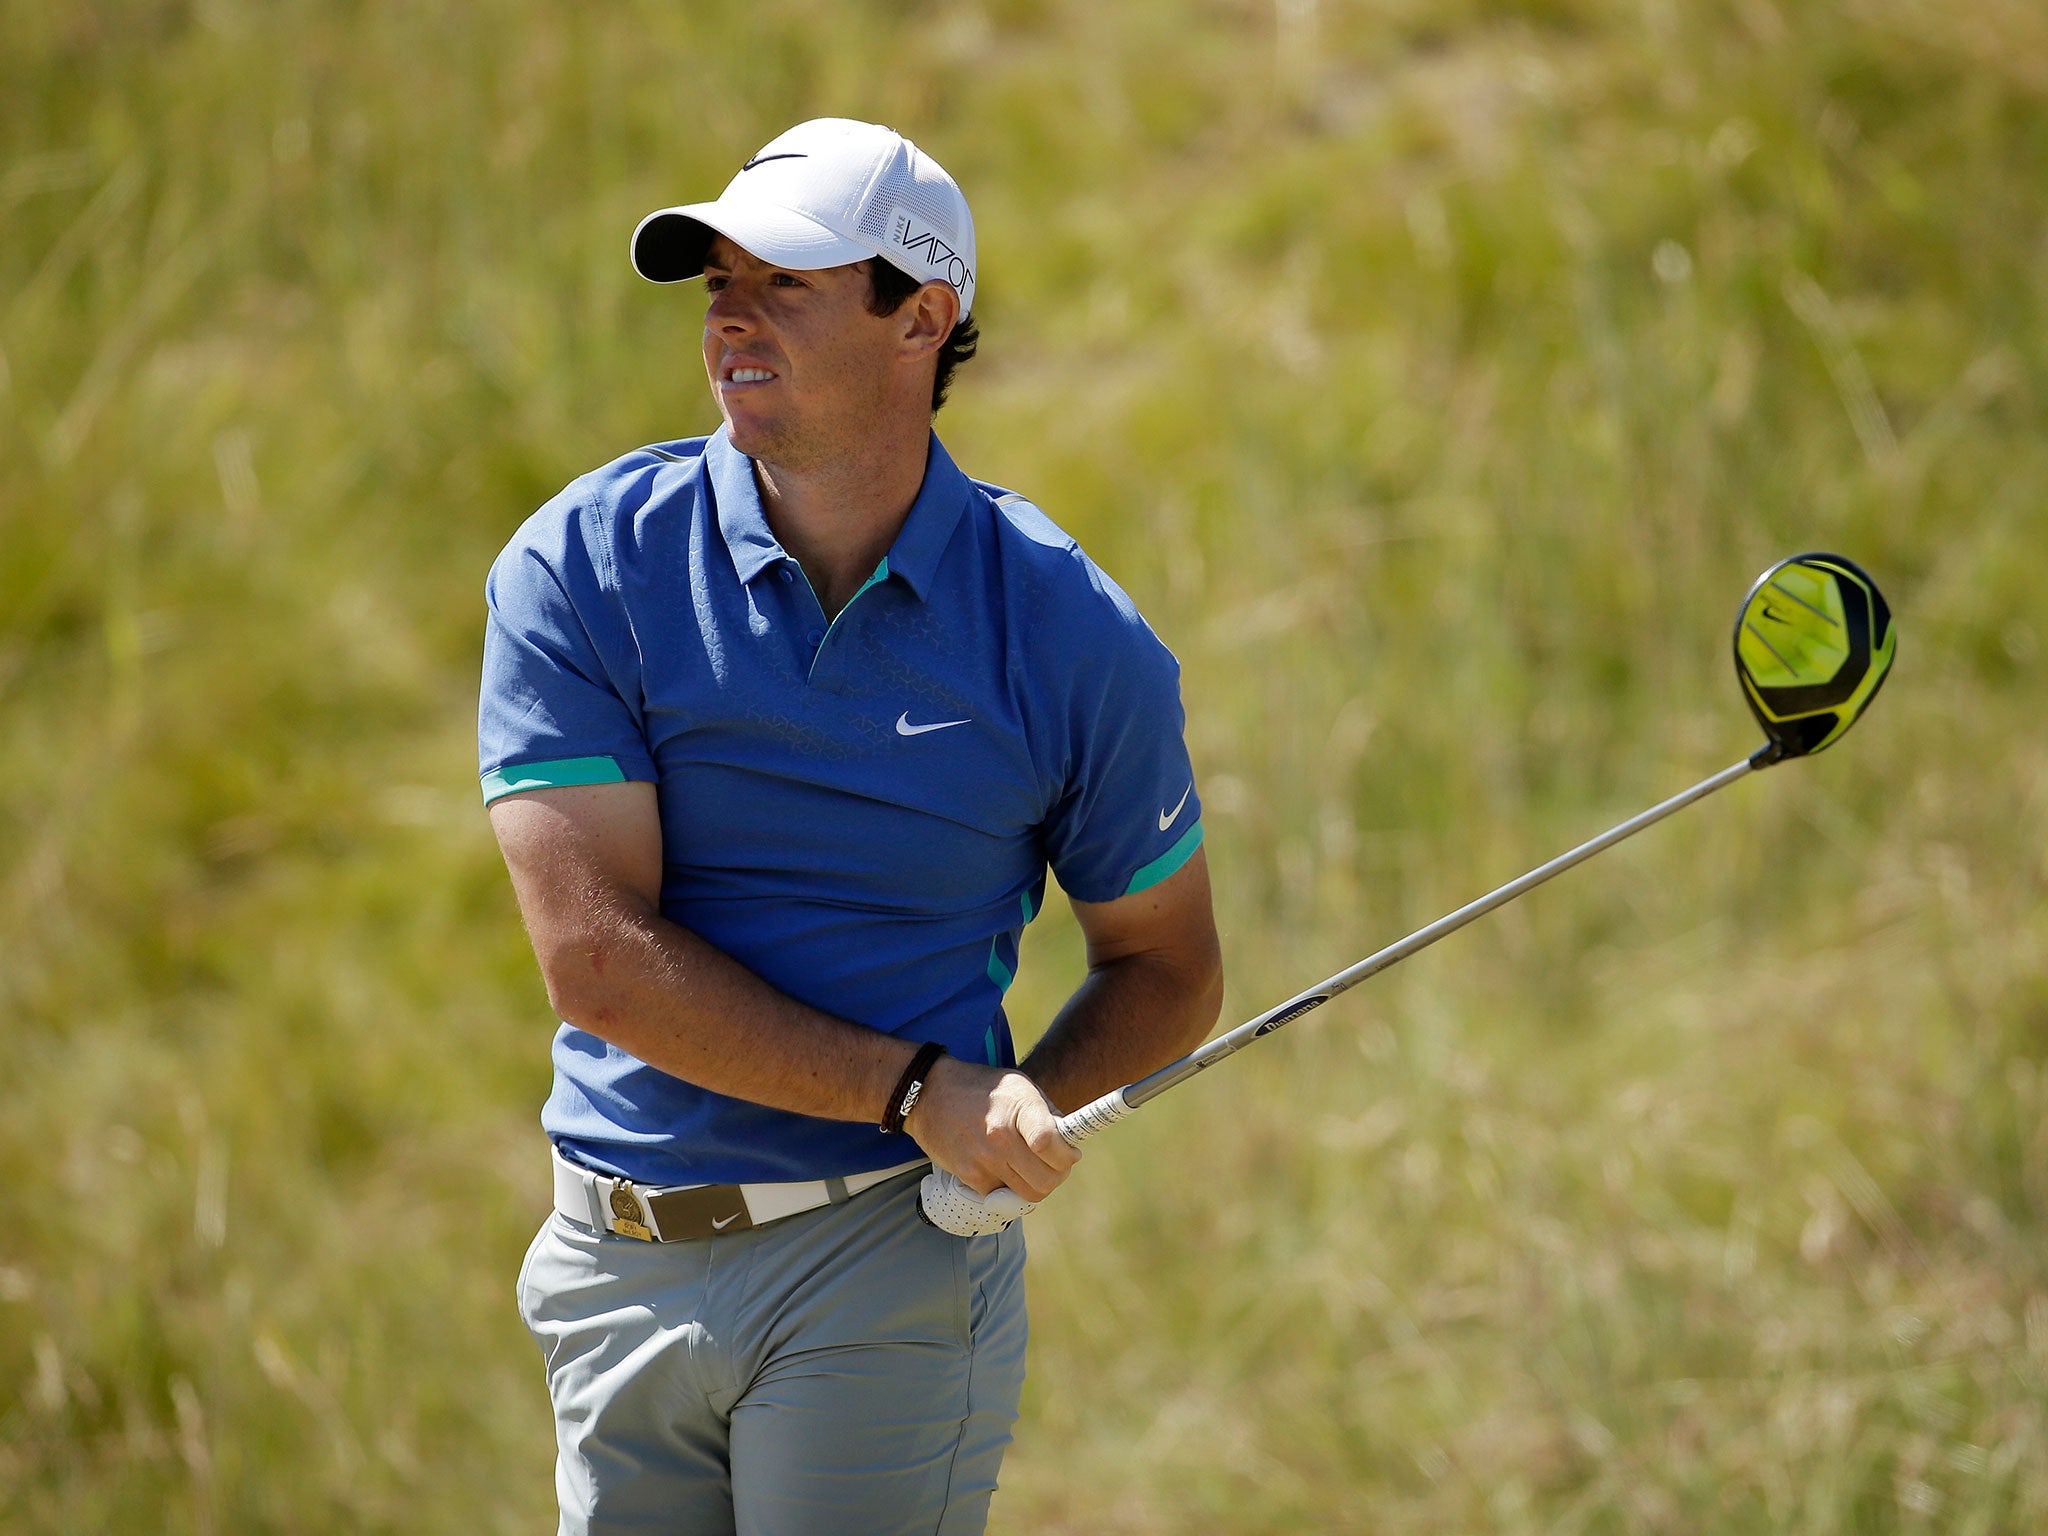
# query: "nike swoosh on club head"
905, 728
720, 1226
1168, 818
764, 159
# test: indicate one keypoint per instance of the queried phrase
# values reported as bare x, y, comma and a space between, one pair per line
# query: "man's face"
797, 364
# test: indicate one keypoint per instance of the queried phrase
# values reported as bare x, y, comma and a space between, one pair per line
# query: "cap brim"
669, 244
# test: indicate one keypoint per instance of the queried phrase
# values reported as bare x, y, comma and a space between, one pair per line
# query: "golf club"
1814, 642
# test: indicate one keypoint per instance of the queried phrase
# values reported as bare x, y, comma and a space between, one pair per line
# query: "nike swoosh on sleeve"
1168, 818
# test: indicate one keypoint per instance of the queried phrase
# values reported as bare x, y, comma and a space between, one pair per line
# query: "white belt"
667, 1213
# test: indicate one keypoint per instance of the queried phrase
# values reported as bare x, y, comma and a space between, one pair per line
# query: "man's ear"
928, 317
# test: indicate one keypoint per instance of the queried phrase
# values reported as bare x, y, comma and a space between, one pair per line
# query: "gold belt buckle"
626, 1213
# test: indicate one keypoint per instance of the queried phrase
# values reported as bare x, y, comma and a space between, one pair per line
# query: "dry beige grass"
1435, 375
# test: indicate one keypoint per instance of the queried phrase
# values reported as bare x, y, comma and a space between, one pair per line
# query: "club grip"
1091, 1119
952, 1207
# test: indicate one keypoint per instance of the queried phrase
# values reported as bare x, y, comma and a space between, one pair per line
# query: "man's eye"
784, 280
714, 285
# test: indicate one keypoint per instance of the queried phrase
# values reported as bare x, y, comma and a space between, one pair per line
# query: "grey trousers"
849, 1370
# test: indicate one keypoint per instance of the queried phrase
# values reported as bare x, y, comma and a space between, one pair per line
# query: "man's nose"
729, 313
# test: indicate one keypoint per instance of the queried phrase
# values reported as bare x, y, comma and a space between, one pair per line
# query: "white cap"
826, 193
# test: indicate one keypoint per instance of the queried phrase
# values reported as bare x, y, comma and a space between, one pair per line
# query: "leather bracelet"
903, 1098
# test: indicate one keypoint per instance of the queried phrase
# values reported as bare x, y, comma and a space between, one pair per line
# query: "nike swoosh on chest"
905, 728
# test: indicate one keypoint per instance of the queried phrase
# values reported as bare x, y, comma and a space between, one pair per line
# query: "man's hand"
991, 1127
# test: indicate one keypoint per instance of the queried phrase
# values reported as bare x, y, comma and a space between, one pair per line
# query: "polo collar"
933, 516
740, 515
920, 543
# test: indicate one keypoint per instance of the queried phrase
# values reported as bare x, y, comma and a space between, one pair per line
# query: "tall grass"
1434, 374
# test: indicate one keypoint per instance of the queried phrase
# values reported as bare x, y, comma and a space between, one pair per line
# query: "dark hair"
888, 286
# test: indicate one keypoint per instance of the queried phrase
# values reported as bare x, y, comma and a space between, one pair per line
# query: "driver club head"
1814, 641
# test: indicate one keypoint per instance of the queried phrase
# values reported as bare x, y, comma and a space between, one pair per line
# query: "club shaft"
1105, 1110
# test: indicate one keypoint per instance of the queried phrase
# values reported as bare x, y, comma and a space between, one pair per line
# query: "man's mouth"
748, 374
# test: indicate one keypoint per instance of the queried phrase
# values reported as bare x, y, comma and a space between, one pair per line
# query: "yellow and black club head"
1813, 644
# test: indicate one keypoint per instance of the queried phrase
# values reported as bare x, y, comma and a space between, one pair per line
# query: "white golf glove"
952, 1207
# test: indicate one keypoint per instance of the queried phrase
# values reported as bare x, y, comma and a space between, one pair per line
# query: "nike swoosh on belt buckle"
679, 1214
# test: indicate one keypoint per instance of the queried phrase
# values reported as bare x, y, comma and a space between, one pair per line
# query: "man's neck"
839, 518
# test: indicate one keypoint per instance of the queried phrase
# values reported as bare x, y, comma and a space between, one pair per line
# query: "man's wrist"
910, 1086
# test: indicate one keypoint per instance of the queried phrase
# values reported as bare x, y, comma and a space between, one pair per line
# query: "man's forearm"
1130, 1017
657, 990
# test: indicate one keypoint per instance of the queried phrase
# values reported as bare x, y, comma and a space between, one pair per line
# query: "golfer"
780, 730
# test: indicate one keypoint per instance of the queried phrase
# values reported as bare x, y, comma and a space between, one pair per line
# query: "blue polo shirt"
860, 811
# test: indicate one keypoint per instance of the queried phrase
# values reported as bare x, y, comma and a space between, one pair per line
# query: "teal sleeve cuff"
1151, 874
560, 774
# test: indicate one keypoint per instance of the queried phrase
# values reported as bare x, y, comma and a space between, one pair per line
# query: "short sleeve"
1129, 816
561, 686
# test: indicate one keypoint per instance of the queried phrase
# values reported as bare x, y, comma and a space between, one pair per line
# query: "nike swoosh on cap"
764, 159
1168, 818
905, 728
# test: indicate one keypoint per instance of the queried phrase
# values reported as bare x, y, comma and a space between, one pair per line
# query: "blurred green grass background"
1435, 373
